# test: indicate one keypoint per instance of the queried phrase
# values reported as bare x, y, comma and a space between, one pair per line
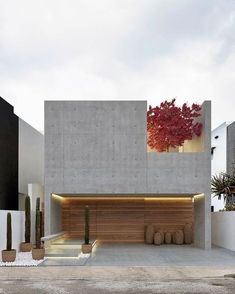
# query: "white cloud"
116, 49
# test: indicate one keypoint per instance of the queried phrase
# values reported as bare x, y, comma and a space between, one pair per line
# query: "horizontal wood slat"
124, 220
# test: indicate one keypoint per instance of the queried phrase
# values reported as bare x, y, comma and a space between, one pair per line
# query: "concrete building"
21, 160
231, 147
9, 130
222, 154
96, 154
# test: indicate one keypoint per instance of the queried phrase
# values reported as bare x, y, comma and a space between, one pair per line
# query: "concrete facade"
99, 147
21, 160
231, 147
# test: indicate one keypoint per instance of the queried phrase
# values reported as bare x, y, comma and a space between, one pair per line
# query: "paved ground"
149, 255
128, 268
87, 280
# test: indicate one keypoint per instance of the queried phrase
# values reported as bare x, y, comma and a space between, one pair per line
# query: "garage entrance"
124, 218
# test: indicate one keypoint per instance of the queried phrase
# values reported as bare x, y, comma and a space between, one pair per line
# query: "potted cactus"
27, 245
38, 252
9, 255
87, 247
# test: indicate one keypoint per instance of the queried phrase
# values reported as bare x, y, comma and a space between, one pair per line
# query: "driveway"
149, 255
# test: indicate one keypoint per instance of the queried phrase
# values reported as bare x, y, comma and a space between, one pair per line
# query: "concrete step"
65, 242
54, 251
65, 248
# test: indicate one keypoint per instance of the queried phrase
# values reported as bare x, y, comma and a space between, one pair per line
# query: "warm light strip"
199, 196
169, 198
62, 257
57, 197
121, 198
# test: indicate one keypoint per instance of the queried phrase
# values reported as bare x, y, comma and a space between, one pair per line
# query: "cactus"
27, 220
9, 232
41, 224
38, 204
38, 225
87, 225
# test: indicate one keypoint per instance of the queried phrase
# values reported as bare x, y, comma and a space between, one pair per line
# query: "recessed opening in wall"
172, 128
123, 217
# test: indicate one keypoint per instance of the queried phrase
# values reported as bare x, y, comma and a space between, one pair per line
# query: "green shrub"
230, 207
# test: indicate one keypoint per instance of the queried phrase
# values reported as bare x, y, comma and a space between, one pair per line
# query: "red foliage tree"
169, 125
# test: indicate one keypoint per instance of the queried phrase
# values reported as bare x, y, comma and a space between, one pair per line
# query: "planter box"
25, 247
8, 256
86, 248
38, 254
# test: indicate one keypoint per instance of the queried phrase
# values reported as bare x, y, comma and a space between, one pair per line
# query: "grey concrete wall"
100, 147
231, 147
31, 156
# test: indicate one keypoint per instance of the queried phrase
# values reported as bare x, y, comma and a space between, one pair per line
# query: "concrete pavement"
63, 280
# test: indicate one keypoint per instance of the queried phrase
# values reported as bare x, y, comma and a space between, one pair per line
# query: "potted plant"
27, 245
87, 247
9, 255
38, 252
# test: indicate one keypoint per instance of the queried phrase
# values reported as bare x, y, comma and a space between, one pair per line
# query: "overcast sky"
117, 49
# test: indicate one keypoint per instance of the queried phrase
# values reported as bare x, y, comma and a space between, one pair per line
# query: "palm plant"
223, 184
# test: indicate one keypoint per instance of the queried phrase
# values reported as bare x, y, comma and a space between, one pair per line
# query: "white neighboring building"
30, 164
219, 157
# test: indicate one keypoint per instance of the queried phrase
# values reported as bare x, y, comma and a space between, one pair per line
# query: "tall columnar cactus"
9, 232
38, 225
27, 220
41, 224
87, 225
38, 204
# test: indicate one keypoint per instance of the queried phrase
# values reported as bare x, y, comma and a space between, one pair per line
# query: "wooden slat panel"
124, 220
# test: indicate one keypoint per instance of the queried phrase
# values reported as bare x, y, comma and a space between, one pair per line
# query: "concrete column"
202, 221
53, 215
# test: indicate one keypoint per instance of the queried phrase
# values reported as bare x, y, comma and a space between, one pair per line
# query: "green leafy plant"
87, 225
230, 207
27, 220
223, 184
9, 232
38, 225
